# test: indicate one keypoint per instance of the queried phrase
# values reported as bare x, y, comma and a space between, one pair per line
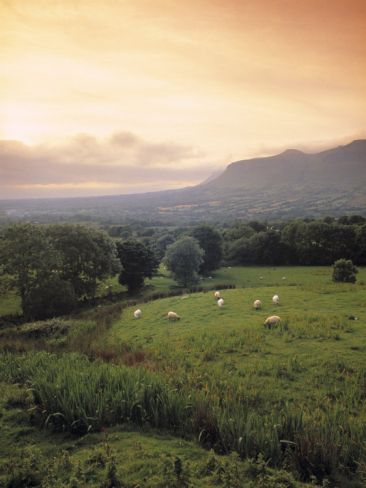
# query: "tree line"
54, 267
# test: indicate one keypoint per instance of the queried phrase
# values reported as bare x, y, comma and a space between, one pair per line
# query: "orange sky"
195, 84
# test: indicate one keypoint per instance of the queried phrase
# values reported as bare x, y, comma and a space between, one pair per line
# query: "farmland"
290, 398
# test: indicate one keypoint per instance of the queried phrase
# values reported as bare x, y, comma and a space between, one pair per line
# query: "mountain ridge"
287, 185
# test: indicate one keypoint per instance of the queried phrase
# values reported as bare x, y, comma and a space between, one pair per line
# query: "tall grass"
75, 394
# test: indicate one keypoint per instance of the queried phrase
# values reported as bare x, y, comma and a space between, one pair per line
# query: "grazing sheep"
220, 302
283, 277
137, 313
272, 321
173, 316
257, 304
276, 300
217, 295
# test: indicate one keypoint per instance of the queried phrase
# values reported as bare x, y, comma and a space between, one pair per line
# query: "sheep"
217, 295
137, 313
276, 300
220, 302
173, 316
272, 321
257, 304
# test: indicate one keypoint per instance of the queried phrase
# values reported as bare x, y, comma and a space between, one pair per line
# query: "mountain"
339, 167
288, 185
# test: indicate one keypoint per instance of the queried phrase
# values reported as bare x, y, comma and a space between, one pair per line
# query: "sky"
124, 96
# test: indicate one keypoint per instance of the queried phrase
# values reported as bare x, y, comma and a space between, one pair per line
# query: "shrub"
344, 271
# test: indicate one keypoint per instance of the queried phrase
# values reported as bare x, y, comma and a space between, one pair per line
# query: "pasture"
289, 398
240, 276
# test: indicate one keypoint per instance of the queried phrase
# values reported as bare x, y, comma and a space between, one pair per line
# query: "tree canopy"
53, 266
210, 240
138, 262
184, 258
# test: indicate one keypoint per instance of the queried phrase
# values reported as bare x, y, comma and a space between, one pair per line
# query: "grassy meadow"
214, 399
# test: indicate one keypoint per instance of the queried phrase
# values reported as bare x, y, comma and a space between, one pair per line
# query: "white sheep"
272, 321
276, 300
257, 304
220, 302
217, 295
137, 313
173, 316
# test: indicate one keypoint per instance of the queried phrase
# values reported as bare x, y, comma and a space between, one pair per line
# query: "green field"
289, 398
241, 277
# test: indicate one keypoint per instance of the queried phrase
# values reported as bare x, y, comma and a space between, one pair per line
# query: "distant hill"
288, 185
343, 166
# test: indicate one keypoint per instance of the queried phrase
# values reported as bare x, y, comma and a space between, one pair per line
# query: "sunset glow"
195, 84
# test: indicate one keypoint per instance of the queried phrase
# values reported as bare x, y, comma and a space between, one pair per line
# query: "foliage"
49, 297
87, 254
344, 271
51, 267
27, 255
138, 262
162, 243
183, 259
297, 401
210, 241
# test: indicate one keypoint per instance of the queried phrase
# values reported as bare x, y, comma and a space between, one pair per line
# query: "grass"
292, 397
240, 276
128, 457
308, 374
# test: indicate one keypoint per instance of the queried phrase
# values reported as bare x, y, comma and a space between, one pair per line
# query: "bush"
49, 298
344, 271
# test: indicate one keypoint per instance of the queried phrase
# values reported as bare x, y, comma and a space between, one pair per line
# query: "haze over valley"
288, 185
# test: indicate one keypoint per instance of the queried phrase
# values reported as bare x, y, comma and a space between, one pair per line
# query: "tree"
51, 267
138, 262
49, 297
162, 243
344, 271
27, 256
183, 259
87, 254
211, 242
361, 244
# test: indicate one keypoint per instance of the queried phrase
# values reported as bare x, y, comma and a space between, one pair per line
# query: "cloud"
121, 163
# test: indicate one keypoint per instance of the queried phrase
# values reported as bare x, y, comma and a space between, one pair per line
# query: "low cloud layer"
84, 165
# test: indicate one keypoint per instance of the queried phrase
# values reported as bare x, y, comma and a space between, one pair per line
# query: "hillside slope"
342, 167
288, 185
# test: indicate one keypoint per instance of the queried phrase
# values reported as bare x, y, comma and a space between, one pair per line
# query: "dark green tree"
88, 255
161, 245
49, 297
51, 267
361, 244
27, 257
183, 259
211, 242
344, 271
138, 262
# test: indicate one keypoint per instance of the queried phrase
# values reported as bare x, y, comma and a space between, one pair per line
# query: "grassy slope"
317, 318
251, 276
317, 365
228, 352
29, 456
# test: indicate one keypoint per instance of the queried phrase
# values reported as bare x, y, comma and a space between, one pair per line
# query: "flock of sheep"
270, 321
